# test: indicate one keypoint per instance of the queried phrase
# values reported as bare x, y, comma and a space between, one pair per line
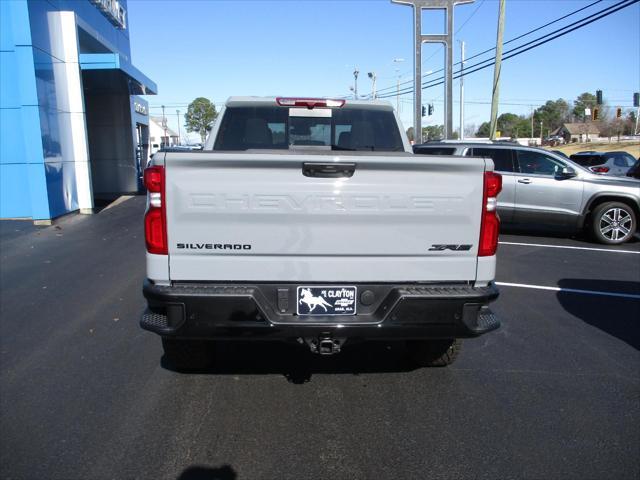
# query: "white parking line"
569, 290
566, 246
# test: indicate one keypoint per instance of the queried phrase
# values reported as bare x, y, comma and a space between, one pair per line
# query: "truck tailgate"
256, 217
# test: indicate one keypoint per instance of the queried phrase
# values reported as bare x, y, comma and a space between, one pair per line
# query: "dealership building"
73, 128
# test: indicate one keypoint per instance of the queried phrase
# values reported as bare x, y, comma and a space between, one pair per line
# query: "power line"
530, 45
510, 41
470, 16
508, 103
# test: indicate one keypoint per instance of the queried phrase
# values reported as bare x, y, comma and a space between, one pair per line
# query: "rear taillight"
599, 169
309, 102
490, 224
155, 219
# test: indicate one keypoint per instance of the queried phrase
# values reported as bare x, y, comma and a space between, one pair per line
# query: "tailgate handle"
328, 170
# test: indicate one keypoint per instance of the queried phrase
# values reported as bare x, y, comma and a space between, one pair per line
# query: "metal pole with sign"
636, 103
447, 40
179, 139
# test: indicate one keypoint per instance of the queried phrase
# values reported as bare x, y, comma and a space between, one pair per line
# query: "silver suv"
605, 163
540, 187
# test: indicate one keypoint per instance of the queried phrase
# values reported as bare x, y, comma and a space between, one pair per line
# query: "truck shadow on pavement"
198, 472
297, 364
617, 316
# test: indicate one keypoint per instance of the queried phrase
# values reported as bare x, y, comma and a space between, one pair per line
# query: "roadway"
554, 394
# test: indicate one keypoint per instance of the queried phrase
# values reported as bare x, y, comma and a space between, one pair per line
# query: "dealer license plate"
327, 300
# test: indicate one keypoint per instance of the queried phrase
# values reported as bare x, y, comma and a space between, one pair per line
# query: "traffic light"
424, 111
596, 114
636, 99
599, 97
430, 109
618, 112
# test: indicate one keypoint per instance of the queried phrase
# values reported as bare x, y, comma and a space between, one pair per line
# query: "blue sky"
217, 49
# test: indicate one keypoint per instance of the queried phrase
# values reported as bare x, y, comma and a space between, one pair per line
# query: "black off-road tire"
185, 355
597, 222
434, 353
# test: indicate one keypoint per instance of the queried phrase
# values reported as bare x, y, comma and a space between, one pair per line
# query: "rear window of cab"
351, 129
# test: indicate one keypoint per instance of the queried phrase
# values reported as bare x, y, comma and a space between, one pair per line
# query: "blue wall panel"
11, 144
38, 191
16, 13
6, 30
25, 72
9, 81
15, 200
31, 134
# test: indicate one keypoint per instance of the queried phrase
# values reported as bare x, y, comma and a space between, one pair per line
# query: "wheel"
187, 354
434, 353
613, 223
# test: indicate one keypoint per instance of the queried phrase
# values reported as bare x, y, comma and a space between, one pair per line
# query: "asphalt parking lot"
554, 394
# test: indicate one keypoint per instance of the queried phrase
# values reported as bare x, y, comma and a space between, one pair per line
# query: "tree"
512, 125
584, 100
433, 132
552, 114
484, 130
200, 116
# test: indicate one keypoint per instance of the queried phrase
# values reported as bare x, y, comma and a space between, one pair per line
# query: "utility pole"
496, 72
355, 83
179, 139
462, 90
447, 40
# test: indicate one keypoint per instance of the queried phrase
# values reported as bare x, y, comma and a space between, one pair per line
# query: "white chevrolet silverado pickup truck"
311, 220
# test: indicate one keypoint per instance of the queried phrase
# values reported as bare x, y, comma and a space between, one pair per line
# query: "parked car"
312, 221
561, 153
634, 172
543, 188
553, 140
605, 163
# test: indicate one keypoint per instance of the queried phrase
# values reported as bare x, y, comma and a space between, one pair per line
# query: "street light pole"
355, 84
398, 60
372, 76
533, 113
540, 132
